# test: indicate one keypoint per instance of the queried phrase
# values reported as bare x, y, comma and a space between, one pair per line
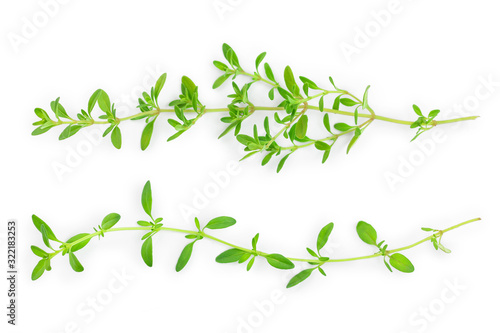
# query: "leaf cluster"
398, 261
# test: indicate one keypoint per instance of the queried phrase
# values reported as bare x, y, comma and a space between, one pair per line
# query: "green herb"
289, 112
235, 253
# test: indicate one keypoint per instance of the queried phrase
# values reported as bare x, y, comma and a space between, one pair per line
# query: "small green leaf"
401, 263
343, 127
58, 109
259, 59
220, 65
387, 265
320, 145
326, 154
184, 257
289, 79
321, 104
75, 264
250, 263
418, 122
427, 229
230, 55
267, 158
40, 130
271, 94
231, 255
110, 220
282, 162
40, 113
45, 237
266, 126
326, 122
269, 72
444, 249
365, 98
417, 110
69, 131
79, 245
299, 277
255, 239
147, 198
189, 84
312, 253
93, 99
433, 114
220, 222
220, 80
348, 102
159, 84
355, 138
104, 102
336, 103
278, 261
309, 82
301, 129
367, 233
323, 236
244, 258
116, 137
146, 135
147, 251
244, 139
38, 270
39, 223
38, 251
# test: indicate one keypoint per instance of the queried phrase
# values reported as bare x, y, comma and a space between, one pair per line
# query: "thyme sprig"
235, 254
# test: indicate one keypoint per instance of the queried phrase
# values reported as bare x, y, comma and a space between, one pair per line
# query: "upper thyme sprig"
293, 101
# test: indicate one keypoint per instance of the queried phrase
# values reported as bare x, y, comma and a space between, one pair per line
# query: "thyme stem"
271, 108
259, 253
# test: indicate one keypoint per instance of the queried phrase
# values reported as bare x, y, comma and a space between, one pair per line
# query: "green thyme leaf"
110, 220
231, 255
75, 264
323, 236
147, 198
38, 270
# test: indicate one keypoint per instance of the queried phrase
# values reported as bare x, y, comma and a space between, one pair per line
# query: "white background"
435, 54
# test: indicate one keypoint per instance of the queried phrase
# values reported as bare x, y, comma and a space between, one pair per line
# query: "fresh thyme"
235, 254
290, 112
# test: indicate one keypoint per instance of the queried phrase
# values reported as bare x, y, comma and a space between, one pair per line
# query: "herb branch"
151, 226
290, 98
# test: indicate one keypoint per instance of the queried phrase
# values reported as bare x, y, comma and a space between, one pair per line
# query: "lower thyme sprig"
391, 257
